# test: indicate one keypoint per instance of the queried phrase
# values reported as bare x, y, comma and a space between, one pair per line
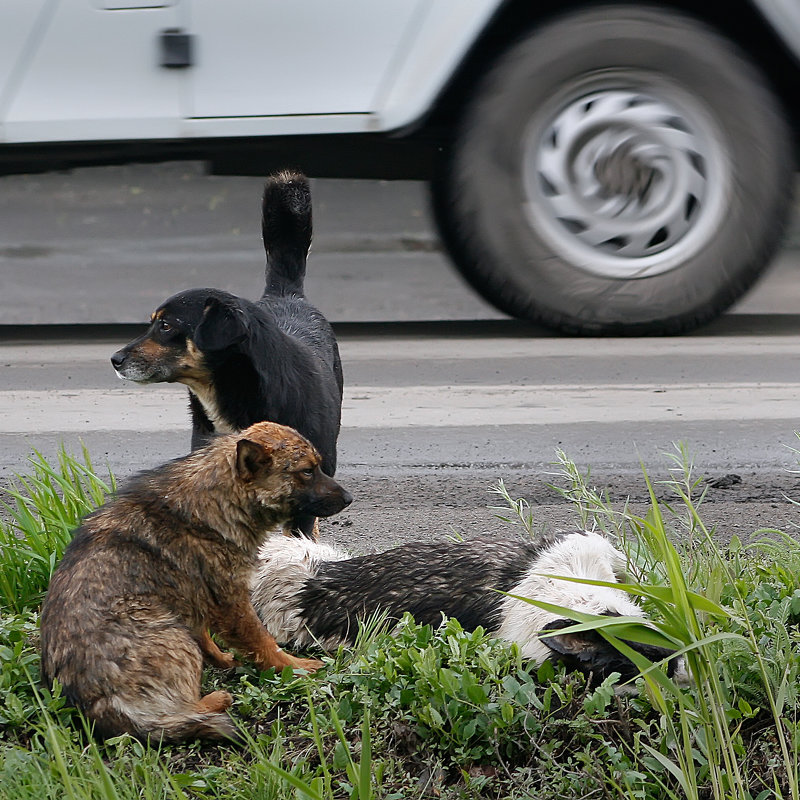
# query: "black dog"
244, 362
307, 592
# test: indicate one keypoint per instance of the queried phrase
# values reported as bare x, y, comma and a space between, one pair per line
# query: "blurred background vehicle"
595, 168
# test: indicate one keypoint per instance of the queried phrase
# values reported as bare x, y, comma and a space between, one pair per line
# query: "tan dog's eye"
307, 473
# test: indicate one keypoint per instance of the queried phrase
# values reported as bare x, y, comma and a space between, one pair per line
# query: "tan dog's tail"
207, 719
218, 726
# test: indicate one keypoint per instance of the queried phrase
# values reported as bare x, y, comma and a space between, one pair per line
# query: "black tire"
503, 221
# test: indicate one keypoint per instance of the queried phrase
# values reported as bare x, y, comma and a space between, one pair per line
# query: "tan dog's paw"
214, 655
215, 702
226, 661
308, 664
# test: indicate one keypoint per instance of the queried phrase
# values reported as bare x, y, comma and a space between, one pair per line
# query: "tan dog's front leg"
241, 628
213, 653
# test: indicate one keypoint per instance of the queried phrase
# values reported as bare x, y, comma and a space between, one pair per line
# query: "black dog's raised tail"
286, 228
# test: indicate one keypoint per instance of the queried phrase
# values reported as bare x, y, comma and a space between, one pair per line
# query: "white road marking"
457, 406
463, 348
166, 408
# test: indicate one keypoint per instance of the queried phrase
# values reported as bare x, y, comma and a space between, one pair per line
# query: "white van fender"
783, 17
439, 40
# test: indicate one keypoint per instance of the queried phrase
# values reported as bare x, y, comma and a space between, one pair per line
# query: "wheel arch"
742, 21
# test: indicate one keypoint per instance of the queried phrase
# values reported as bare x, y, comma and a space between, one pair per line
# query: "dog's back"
307, 591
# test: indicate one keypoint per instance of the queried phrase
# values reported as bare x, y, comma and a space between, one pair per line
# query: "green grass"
43, 508
422, 712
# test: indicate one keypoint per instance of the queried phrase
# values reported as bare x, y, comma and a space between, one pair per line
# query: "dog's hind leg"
215, 702
159, 698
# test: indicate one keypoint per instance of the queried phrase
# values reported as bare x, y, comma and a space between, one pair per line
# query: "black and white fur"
307, 592
244, 362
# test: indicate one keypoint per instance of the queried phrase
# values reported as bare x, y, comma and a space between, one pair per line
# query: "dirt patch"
392, 509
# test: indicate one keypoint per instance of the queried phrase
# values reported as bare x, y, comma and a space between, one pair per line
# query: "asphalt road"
443, 395
108, 245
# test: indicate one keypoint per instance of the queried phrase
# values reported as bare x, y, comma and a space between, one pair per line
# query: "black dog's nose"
118, 359
347, 498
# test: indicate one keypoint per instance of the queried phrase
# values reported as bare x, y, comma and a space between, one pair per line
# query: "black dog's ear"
224, 325
584, 647
252, 459
588, 651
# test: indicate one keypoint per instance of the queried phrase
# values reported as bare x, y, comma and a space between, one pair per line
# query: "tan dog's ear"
252, 459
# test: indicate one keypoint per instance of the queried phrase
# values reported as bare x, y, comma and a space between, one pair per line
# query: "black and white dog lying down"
306, 592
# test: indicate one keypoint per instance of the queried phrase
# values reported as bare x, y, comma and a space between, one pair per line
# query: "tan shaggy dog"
125, 624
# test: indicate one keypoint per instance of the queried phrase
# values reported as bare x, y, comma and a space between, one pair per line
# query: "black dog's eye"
164, 326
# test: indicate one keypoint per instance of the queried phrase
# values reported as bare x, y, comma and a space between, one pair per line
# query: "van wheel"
619, 171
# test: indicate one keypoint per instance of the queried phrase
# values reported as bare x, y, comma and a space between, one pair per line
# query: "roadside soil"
391, 509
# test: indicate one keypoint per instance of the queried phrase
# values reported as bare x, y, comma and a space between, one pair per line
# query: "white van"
621, 168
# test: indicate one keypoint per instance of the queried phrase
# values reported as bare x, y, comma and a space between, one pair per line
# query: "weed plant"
441, 712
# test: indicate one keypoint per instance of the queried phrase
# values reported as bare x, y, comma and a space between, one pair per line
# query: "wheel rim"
626, 179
